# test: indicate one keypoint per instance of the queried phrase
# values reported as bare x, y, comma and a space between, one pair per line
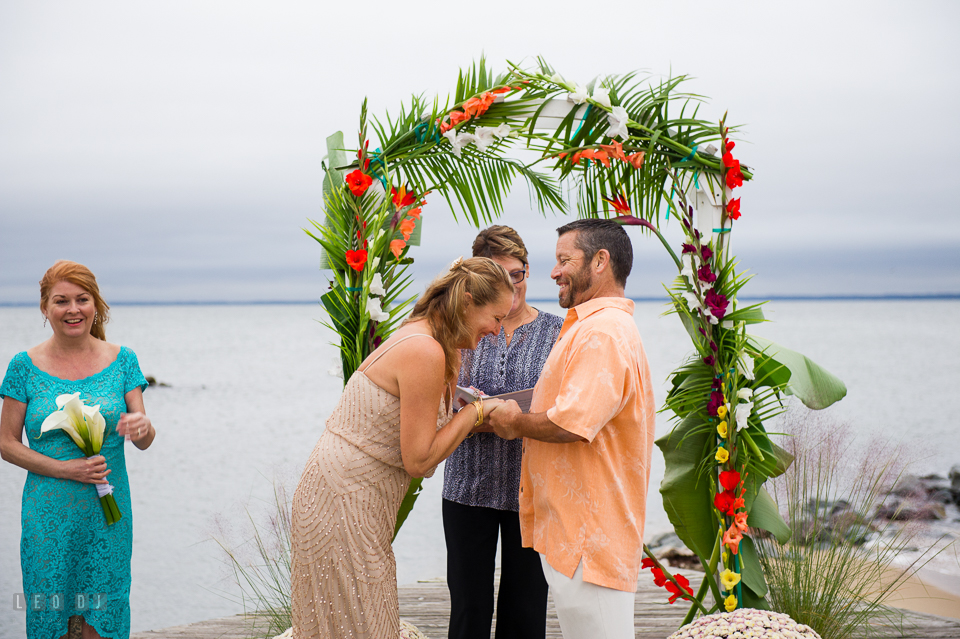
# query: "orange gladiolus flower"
406, 227
502, 90
485, 101
415, 213
602, 157
614, 150
456, 117
740, 521
396, 247
731, 539
471, 107
636, 160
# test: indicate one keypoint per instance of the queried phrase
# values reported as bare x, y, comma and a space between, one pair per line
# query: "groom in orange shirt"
588, 439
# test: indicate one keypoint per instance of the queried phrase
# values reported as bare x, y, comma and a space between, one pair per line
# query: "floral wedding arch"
618, 145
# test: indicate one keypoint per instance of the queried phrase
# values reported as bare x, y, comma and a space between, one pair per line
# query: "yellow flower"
722, 429
729, 579
722, 411
730, 603
722, 455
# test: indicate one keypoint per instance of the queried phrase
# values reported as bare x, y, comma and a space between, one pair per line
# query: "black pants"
471, 533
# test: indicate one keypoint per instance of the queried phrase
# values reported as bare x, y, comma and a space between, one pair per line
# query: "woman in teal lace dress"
74, 563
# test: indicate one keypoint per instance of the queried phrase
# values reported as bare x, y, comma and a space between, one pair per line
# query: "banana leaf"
812, 384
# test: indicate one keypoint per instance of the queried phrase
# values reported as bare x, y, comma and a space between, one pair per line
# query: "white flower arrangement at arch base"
743, 624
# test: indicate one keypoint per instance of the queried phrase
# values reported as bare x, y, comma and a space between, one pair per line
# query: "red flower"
723, 501
619, 204
734, 176
358, 182
729, 161
675, 588
706, 275
689, 248
717, 303
705, 252
402, 197
396, 247
730, 145
716, 397
415, 213
356, 259
733, 209
647, 563
709, 360
658, 577
729, 479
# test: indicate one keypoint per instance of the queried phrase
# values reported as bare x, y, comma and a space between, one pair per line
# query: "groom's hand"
504, 420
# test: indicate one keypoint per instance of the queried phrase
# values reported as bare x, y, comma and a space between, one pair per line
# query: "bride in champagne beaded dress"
393, 422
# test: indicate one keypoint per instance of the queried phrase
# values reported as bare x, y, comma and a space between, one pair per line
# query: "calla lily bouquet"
85, 426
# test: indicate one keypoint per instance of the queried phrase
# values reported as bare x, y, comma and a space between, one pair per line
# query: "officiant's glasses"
517, 276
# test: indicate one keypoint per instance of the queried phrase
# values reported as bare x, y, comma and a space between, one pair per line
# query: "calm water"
250, 389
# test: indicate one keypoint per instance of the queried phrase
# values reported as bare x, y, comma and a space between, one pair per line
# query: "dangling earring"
44, 320
96, 318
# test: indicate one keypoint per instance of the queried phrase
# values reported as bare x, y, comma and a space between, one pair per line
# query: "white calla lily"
745, 393
579, 95
602, 96
96, 426
617, 119
376, 285
69, 419
376, 313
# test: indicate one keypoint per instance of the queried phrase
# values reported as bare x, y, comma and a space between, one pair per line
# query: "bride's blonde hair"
444, 304
67, 271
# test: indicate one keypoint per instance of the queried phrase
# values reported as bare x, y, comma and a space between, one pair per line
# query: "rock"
909, 486
912, 511
954, 476
152, 381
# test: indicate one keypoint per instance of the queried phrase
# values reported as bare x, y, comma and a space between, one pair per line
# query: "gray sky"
175, 147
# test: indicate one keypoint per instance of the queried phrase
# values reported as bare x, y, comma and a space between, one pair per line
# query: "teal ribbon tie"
375, 158
586, 114
354, 289
420, 132
693, 153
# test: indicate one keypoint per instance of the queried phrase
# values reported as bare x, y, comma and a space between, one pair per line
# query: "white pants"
589, 611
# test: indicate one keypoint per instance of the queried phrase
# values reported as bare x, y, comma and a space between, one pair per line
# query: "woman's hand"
489, 405
136, 426
86, 471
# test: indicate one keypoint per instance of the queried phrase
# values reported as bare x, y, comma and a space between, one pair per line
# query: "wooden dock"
427, 606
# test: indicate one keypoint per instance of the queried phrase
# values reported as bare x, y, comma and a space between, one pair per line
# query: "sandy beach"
930, 592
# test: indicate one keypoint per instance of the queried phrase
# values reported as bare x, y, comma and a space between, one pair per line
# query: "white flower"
689, 268
692, 300
618, 123
579, 95
602, 96
706, 313
373, 307
376, 261
459, 140
556, 77
745, 366
485, 135
376, 285
84, 424
743, 414
745, 393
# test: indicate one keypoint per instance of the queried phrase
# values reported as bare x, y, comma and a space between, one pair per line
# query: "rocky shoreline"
931, 499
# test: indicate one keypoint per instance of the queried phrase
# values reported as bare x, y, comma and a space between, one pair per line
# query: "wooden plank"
427, 606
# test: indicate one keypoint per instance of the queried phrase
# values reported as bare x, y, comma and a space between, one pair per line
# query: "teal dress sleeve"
132, 375
14, 381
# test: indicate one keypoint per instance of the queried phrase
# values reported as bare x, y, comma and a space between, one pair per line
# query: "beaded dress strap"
379, 355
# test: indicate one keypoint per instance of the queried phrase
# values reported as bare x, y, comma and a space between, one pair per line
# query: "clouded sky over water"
175, 147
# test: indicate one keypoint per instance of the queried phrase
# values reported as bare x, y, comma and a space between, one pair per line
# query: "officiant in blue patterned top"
481, 480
